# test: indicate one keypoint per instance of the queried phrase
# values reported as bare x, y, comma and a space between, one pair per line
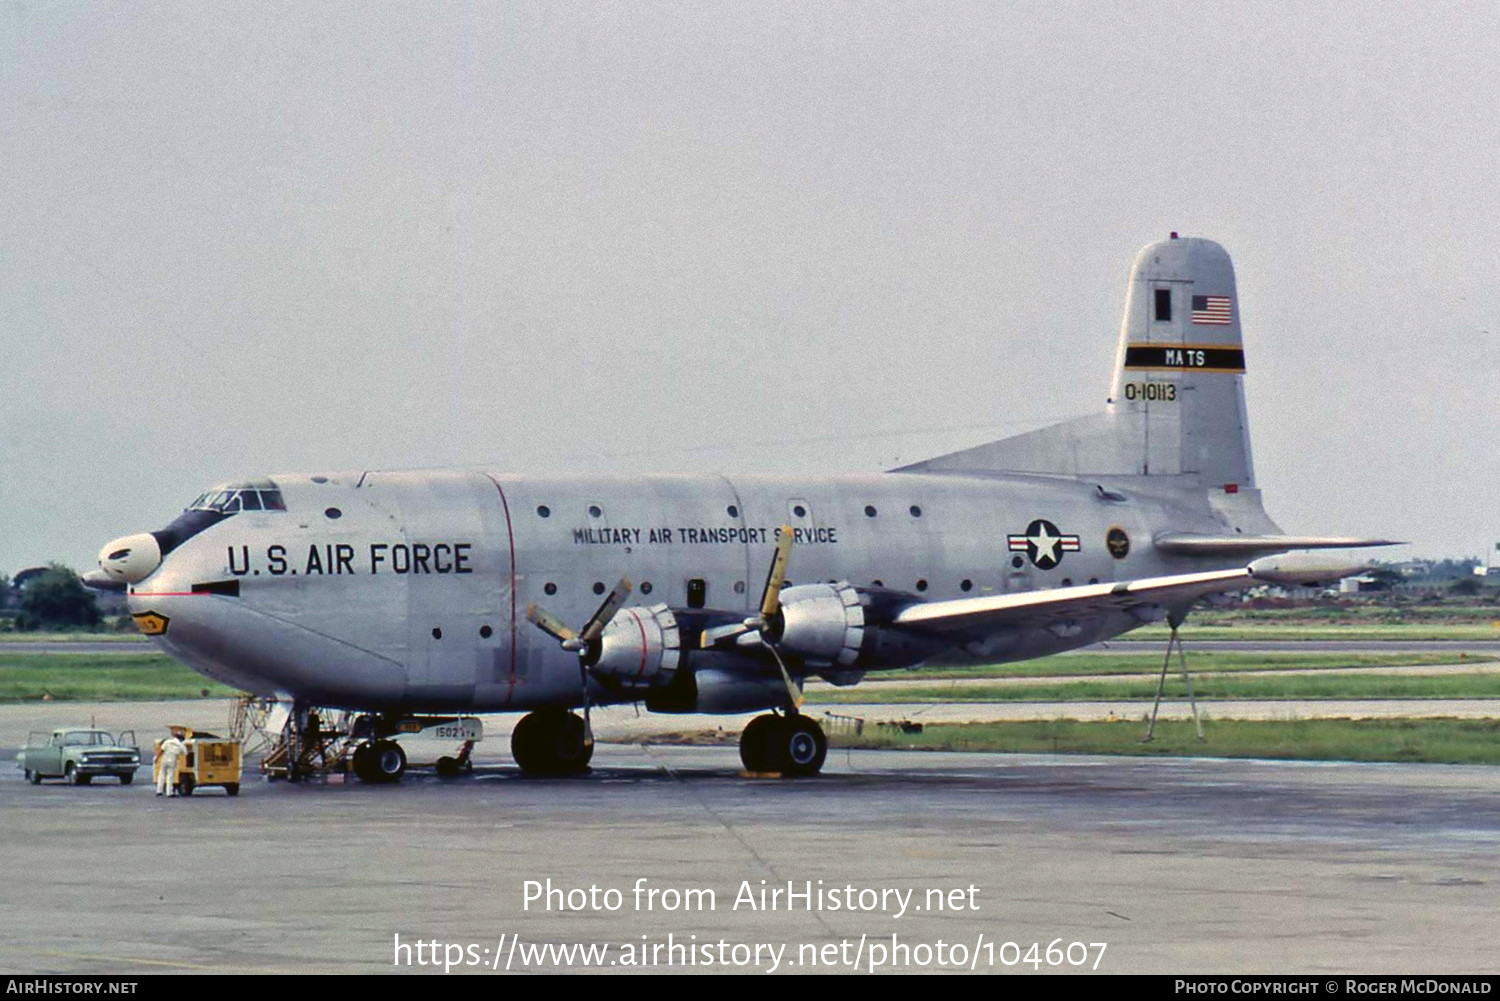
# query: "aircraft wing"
1149, 596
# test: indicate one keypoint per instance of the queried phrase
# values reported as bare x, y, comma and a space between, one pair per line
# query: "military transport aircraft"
397, 594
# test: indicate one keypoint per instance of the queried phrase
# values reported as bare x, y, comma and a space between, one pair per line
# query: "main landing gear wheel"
379, 761
756, 742
792, 745
552, 743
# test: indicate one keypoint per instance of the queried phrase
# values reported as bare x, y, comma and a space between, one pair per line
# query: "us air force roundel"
1043, 544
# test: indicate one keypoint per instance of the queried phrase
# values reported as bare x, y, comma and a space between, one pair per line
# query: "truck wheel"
185, 785
126, 778
233, 788
74, 776
35, 778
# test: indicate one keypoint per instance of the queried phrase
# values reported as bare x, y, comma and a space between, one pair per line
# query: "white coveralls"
171, 749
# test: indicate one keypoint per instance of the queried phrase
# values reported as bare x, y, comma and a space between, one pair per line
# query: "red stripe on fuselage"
510, 537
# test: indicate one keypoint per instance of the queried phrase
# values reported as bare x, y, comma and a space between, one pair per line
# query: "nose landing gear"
379, 761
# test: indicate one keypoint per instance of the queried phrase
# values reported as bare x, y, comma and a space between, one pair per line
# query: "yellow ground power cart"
210, 760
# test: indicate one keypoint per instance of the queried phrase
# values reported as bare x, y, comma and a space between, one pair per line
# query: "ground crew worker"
167, 754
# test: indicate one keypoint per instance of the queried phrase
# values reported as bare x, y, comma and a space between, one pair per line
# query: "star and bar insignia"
1043, 544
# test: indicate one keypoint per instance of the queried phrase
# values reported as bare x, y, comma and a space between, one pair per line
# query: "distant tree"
1384, 578
1466, 585
56, 597
4, 591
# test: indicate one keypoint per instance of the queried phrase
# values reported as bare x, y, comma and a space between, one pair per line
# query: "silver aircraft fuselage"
408, 591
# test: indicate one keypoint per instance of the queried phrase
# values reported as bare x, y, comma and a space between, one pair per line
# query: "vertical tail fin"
1177, 401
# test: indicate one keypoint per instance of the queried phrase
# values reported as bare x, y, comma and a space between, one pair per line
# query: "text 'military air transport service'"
397, 594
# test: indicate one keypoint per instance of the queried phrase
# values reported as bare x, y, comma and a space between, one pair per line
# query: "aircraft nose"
130, 558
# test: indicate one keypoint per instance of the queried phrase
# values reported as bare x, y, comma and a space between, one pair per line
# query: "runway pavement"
1178, 865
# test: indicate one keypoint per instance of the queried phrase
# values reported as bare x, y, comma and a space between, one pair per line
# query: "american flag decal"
1211, 309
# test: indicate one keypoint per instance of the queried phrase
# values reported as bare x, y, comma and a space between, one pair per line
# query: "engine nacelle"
824, 624
641, 645
731, 692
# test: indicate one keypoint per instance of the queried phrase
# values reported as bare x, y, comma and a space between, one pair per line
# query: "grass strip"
1446, 741
1070, 665
1205, 687
107, 677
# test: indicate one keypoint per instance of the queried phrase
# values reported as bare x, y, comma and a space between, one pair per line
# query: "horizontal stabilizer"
1190, 544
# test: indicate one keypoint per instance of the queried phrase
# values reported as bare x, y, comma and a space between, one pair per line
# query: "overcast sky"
240, 239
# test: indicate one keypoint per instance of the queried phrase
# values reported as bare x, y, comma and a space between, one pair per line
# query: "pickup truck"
78, 754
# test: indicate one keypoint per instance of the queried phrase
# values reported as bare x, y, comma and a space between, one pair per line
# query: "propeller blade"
770, 598
550, 624
715, 635
612, 604
793, 692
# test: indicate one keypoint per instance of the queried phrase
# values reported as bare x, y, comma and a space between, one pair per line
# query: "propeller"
584, 642
767, 622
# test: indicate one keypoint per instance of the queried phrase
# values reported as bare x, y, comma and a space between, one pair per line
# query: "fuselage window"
966, 585
595, 511
870, 510
543, 511
921, 585
916, 512
1163, 305
645, 587
733, 511
800, 511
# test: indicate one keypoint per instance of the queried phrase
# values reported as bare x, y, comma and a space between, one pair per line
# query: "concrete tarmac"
1180, 866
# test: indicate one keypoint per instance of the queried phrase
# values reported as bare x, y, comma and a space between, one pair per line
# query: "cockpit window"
240, 497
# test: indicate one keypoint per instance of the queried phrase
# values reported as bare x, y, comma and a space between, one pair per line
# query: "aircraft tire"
756, 743
387, 761
360, 762
800, 747
551, 743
